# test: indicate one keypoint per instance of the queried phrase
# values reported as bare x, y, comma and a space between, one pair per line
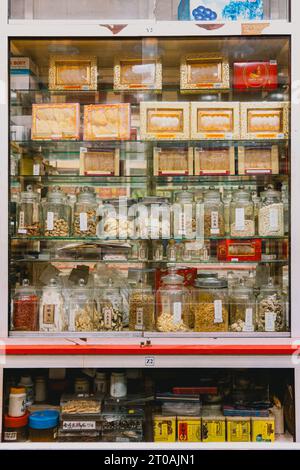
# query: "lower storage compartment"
157, 405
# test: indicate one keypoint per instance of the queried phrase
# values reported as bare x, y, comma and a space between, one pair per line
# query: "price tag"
10, 436
79, 425
248, 326
218, 311
149, 361
270, 321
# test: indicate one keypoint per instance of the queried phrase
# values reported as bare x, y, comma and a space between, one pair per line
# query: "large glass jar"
242, 214
210, 304
56, 214
141, 308
184, 215
109, 308
271, 214
116, 219
242, 309
85, 213
82, 308
271, 308
29, 214
25, 315
52, 308
173, 305
214, 222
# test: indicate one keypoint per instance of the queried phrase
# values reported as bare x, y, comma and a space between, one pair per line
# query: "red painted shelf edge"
184, 350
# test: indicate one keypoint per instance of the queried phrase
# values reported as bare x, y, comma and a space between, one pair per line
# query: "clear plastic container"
173, 305
242, 222
29, 214
141, 308
214, 221
184, 215
271, 308
109, 315
271, 214
82, 308
52, 308
85, 213
56, 214
210, 304
25, 315
242, 309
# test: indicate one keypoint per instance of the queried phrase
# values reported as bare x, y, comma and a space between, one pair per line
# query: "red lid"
20, 422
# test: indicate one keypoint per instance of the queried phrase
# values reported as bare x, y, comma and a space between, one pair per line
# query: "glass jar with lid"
214, 222
109, 308
184, 215
52, 308
29, 214
173, 305
271, 308
210, 304
25, 315
242, 309
85, 213
242, 221
82, 308
271, 214
56, 214
141, 308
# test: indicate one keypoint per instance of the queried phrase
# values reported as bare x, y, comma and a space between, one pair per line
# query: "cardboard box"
213, 428
215, 120
172, 161
73, 73
255, 160
164, 428
165, 120
104, 162
238, 429
239, 250
55, 121
107, 122
138, 74
208, 70
255, 75
268, 120
263, 429
188, 429
214, 161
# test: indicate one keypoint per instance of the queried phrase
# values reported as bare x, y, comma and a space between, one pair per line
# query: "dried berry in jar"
25, 308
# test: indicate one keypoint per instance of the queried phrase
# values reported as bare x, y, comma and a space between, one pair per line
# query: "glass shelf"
125, 240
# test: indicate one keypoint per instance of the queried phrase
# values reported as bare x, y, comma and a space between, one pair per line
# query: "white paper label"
21, 220
50, 220
149, 361
218, 311
240, 219
177, 311
214, 223
270, 321
182, 224
107, 317
79, 425
83, 221
10, 436
273, 219
139, 318
36, 169
248, 326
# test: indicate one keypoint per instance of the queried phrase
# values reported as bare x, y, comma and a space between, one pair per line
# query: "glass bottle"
158, 251
242, 309
214, 222
82, 308
270, 217
242, 214
56, 214
25, 315
141, 308
29, 213
85, 213
173, 305
184, 215
210, 304
109, 308
271, 308
52, 311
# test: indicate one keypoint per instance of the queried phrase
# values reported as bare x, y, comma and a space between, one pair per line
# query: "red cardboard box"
239, 250
255, 75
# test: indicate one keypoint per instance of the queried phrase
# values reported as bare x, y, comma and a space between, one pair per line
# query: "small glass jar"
43, 426
141, 308
271, 214
214, 222
242, 309
16, 429
242, 223
82, 308
100, 383
85, 213
143, 251
210, 304
56, 214
26, 164
52, 309
173, 305
81, 385
184, 215
29, 214
173, 251
109, 308
40, 389
271, 308
158, 251
25, 315
118, 385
